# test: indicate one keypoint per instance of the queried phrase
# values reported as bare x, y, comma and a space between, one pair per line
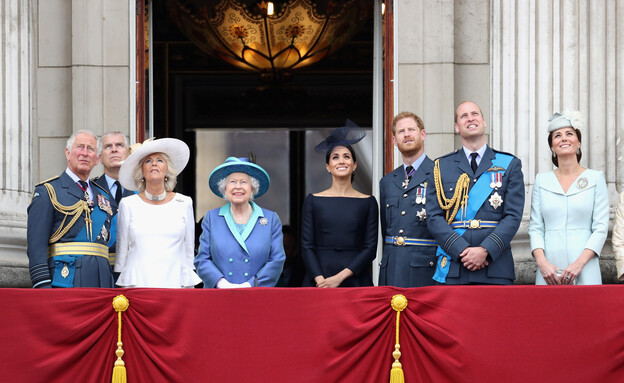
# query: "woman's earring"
578, 151
142, 179
166, 178
554, 155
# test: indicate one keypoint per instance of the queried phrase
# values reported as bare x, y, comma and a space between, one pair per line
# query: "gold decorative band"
111, 258
78, 248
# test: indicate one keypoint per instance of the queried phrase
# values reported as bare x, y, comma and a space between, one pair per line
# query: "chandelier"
271, 38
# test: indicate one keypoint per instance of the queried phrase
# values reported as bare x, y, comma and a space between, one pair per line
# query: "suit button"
475, 180
405, 195
387, 205
401, 231
231, 260
246, 260
403, 212
230, 273
246, 274
431, 264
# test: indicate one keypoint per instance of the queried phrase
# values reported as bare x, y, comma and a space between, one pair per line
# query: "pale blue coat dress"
563, 224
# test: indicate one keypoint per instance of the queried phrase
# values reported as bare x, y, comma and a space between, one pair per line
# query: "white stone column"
15, 137
548, 56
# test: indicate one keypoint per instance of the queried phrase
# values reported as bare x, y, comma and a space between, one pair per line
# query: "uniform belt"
474, 224
78, 248
111, 258
404, 241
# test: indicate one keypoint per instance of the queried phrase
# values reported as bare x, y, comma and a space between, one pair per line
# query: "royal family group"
448, 221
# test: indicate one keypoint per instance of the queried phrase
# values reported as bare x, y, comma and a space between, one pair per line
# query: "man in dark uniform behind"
409, 255
474, 206
69, 221
114, 153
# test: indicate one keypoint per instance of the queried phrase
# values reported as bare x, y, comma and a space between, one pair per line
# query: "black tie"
408, 170
473, 162
118, 192
83, 185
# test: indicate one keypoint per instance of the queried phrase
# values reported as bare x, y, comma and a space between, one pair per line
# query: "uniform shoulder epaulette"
46, 181
449, 154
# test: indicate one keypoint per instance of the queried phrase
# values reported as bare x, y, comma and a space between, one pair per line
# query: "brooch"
263, 221
582, 183
495, 200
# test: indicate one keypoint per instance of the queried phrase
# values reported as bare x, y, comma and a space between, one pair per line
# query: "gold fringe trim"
120, 304
75, 211
398, 303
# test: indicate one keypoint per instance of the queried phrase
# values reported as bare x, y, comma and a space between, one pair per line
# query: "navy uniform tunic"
44, 220
496, 240
102, 182
402, 216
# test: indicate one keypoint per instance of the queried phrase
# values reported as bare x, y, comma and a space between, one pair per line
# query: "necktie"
408, 172
118, 192
473, 162
84, 187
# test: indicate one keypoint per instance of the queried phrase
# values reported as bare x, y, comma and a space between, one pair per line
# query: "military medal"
582, 183
104, 204
495, 200
65, 271
496, 180
408, 176
422, 214
420, 195
104, 234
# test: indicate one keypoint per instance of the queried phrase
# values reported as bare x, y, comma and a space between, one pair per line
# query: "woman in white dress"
156, 227
569, 211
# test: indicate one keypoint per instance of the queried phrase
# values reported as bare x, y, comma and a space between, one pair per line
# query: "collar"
110, 182
480, 152
416, 163
74, 177
242, 237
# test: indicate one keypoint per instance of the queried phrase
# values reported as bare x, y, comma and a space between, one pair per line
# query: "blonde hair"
171, 177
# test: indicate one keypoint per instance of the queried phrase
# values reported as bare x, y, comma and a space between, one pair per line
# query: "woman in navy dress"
339, 225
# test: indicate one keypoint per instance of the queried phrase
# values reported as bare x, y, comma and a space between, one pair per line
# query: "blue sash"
98, 218
476, 197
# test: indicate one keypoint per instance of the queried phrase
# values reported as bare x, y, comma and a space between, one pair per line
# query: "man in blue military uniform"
474, 207
69, 222
114, 153
409, 255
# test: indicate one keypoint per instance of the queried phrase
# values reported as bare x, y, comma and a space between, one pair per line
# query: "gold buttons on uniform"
431, 264
401, 231
405, 195
403, 212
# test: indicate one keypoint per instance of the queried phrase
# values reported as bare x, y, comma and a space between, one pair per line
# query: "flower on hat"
575, 117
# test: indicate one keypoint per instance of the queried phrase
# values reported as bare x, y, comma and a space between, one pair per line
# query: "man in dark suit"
69, 221
474, 206
114, 153
409, 255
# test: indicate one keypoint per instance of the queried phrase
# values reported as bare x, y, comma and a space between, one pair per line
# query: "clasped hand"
474, 258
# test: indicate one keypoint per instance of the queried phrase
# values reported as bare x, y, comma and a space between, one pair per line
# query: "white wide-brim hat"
177, 151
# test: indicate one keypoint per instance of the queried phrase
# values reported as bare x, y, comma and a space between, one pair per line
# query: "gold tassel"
120, 304
398, 303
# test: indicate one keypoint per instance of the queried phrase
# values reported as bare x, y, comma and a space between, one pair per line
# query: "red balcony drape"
447, 334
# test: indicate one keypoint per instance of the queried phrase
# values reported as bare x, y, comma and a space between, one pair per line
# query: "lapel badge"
495, 200
263, 221
582, 183
495, 169
422, 214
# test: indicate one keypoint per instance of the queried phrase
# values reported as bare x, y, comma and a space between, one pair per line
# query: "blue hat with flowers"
239, 165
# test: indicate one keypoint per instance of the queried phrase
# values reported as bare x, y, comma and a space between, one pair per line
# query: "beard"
410, 150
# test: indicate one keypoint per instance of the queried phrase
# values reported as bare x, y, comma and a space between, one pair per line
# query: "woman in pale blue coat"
241, 243
569, 211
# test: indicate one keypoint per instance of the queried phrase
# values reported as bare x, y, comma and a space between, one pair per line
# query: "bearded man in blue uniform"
409, 255
474, 207
69, 221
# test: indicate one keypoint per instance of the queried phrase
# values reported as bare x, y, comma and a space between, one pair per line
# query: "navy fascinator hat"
346, 135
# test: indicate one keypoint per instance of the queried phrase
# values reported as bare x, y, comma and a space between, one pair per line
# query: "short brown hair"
402, 115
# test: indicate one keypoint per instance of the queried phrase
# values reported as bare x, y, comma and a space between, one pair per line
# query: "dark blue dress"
338, 233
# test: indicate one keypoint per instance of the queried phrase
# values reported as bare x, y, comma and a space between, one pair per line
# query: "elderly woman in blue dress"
241, 244
569, 211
